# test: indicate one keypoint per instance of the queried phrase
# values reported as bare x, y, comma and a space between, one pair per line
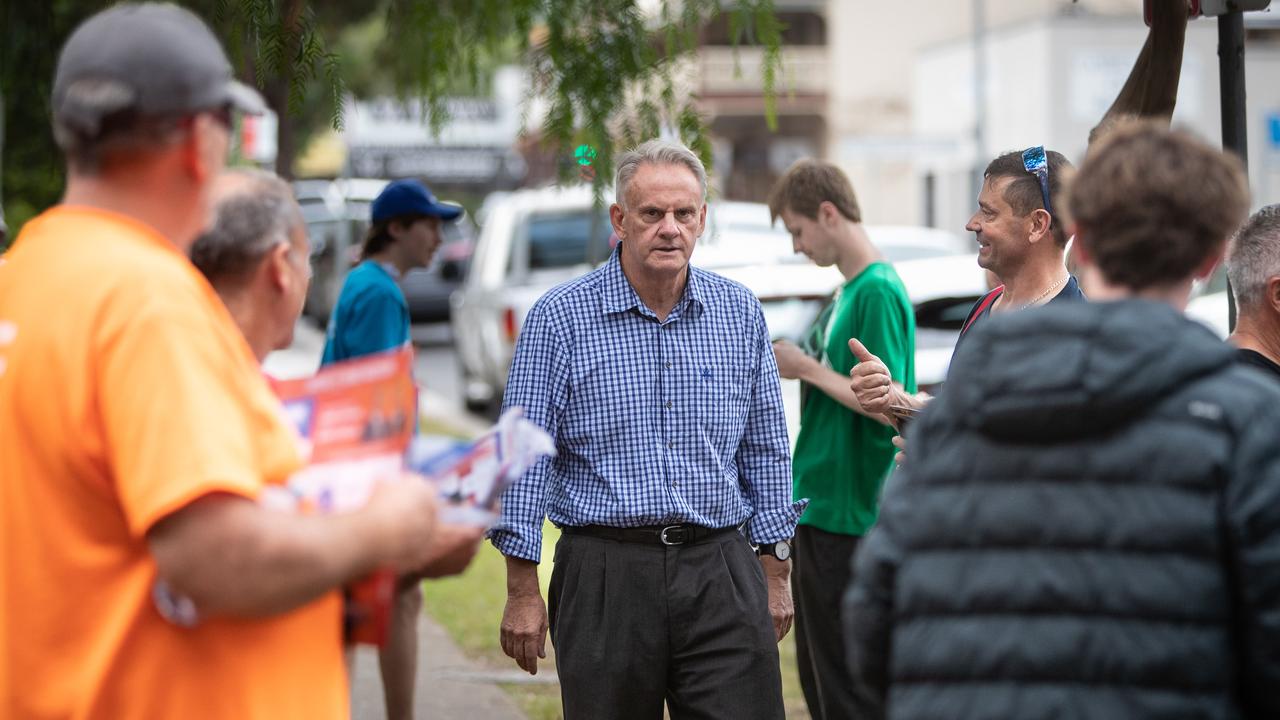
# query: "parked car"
427, 290
337, 214
536, 239
337, 217
1209, 303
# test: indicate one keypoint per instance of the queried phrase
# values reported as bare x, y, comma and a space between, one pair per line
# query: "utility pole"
1235, 129
979, 93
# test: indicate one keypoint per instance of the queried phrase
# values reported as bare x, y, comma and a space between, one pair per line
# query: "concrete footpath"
449, 685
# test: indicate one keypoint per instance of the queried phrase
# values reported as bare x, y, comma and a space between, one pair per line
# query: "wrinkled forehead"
666, 185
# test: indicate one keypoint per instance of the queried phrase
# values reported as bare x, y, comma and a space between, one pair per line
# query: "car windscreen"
558, 240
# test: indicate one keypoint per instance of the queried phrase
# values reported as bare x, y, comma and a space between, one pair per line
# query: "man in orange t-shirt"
138, 432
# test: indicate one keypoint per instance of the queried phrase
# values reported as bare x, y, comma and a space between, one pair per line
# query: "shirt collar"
619, 296
391, 270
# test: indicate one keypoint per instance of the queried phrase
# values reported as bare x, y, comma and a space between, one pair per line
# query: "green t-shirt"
841, 457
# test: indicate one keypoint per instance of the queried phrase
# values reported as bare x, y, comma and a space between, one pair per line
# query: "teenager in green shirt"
843, 454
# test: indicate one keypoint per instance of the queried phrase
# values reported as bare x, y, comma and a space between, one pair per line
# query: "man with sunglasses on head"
1020, 241
142, 577
1090, 520
1150, 91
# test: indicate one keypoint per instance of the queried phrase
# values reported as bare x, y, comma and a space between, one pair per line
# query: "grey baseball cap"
152, 59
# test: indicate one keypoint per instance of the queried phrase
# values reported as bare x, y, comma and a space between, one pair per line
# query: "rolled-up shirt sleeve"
538, 384
764, 455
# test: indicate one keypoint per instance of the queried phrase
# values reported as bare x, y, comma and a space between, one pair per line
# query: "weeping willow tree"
607, 70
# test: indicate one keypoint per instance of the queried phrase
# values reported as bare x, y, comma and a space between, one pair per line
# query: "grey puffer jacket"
1087, 526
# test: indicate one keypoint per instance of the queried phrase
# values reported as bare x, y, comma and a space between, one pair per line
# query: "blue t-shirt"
371, 315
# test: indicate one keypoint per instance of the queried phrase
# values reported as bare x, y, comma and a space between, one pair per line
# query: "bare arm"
794, 364
1151, 90
232, 556
524, 619
837, 387
777, 575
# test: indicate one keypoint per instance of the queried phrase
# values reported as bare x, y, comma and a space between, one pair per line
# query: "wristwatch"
780, 550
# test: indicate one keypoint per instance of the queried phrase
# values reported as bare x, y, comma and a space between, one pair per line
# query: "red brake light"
509, 325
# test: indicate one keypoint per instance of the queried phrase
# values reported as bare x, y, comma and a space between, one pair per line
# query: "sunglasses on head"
1035, 162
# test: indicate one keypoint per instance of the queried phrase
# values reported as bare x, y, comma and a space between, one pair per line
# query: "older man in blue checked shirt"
658, 384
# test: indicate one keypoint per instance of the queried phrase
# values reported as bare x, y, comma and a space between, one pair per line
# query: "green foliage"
607, 69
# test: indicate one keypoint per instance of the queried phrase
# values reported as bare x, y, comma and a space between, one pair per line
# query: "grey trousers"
822, 571
635, 625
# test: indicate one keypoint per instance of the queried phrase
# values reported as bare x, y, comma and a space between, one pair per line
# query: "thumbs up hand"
872, 384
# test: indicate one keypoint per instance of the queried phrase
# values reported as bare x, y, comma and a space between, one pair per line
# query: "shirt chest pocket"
724, 398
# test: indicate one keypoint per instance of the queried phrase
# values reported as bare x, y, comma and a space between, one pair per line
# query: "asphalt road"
435, 363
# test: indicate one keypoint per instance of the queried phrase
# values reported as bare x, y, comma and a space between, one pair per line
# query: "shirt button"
668, 366
668, 404
671, 445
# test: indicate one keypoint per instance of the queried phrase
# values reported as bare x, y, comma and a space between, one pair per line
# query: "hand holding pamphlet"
356, 424
473, 475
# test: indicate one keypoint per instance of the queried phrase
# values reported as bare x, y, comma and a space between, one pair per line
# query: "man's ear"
278, 266
1273, 293
828, 214
198, 151
1041, 226
616, 215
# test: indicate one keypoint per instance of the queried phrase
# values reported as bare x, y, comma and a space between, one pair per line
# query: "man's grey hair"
1253, 257
255, 215
657, 152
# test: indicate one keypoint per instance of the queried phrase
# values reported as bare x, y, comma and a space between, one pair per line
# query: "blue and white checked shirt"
654, 422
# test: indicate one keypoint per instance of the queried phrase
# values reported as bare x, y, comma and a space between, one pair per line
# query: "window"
567, 239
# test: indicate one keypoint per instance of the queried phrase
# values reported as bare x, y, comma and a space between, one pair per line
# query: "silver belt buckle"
680, 535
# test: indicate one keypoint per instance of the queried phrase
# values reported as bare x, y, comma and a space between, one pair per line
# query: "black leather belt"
650, 534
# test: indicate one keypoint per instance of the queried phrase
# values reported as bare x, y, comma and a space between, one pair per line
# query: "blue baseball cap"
410, 197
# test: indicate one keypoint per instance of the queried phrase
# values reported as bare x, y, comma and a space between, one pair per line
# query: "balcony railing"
803, 72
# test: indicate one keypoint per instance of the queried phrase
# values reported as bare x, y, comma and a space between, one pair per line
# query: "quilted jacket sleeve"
1252, 509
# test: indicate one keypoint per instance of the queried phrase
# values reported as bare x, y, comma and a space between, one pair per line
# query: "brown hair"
378, 237
809, 183
1154, 203
1023, 194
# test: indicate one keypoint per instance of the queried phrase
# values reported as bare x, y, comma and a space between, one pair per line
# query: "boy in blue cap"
372, 316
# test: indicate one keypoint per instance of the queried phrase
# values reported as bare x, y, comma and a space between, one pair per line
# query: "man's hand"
405, 510
900, 456
453, 548
871, 381
777, 574
792, 362
524, 619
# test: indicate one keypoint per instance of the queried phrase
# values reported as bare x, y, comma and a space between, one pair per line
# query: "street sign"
1273, 129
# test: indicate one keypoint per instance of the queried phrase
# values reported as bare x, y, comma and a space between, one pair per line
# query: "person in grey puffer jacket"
1088, 523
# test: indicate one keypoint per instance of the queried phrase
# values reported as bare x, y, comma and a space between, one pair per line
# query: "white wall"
1051, 79
872, 98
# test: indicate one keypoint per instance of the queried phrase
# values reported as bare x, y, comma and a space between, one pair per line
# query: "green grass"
470, 609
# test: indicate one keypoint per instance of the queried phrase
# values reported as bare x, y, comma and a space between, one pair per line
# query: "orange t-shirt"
126, 392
